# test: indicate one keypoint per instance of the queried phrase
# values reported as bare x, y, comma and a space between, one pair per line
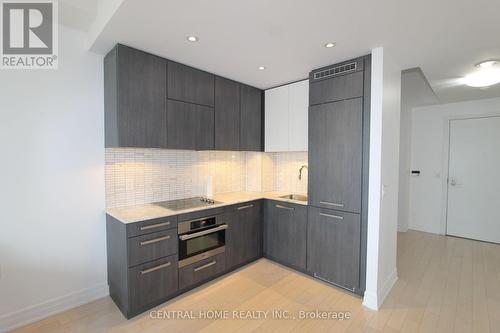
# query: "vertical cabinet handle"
152, 269
205, 266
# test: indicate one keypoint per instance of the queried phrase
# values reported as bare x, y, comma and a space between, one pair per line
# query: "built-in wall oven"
200, 239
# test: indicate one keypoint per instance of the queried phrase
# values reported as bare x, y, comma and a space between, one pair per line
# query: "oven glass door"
194, 246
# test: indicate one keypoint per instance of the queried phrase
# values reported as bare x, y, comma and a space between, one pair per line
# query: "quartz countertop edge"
143, 212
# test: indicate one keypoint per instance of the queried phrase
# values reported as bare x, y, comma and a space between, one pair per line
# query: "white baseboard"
39, 311
373, 300
387, 286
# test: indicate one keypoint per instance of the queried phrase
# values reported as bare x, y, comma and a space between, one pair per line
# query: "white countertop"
131, 214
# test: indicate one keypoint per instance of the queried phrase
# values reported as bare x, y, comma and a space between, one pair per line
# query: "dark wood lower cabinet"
152, 283
201, 271
244, 235
285, 233
143, 261
333, 247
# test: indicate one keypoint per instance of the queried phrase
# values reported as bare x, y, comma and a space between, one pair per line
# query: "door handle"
152, 269
284, 207
205, 266
452, 181
156, 240
335, 204
337, 217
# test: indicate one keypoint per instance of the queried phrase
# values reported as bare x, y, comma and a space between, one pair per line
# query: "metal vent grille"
350, 67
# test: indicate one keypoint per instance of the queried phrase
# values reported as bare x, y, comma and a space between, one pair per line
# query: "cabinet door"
135, 89
152, 283
227, 114
190, 126
190, 84
333, 247
335, 155
276, 124
286, 233
244, 235
251, 119
337, 88
298, 115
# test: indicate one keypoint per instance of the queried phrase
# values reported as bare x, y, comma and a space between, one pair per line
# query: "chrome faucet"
300, 171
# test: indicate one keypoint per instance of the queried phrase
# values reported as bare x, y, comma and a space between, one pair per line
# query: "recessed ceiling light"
487, 75
192, 38
261, 68
329, 45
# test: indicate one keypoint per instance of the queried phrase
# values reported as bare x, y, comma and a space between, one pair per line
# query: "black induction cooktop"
188, 203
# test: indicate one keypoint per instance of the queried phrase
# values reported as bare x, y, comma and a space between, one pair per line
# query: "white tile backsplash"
137, 176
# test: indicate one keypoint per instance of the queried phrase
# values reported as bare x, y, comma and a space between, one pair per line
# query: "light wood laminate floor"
445, 285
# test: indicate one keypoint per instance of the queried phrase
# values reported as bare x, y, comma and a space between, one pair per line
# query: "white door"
474, 180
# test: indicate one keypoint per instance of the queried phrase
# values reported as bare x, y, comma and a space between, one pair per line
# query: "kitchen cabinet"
333, 247
190, 126
142, 263
134, 99
244, 233
190, 85
285, 233
286, 117
250, 119
335, 154
201, 271
227, 114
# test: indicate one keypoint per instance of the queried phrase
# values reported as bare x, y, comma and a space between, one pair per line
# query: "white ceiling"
415, 90
445, 38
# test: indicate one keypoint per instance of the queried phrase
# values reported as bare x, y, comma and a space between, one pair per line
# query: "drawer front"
201, 271
152, 246
150, 226
336, 89
152, 282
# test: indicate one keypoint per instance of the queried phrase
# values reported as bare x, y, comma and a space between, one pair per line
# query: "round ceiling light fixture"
488, 74
192, 38
330, 45
261, 68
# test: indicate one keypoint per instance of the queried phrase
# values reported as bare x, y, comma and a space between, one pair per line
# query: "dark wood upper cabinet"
227, 114
251, 119
335, 155
135, 91
190, 126
189, 84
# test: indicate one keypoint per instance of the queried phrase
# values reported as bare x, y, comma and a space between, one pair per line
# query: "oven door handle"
202, 233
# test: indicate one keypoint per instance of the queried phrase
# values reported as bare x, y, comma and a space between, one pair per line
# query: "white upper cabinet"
286, 110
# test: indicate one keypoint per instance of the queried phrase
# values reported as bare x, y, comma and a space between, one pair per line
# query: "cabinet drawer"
150, 226
336, 89
151, 283
151, 246
201, 271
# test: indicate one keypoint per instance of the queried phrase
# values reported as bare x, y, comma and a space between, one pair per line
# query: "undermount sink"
298, 197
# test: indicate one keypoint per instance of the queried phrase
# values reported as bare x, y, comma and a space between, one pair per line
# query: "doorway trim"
446, 162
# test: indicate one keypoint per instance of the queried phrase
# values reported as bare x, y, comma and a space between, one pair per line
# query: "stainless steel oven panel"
203, 232
201, 256
185, 226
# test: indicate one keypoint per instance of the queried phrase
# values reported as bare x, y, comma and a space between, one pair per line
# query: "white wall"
415, 91
383, 183
52, 243
428, 145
